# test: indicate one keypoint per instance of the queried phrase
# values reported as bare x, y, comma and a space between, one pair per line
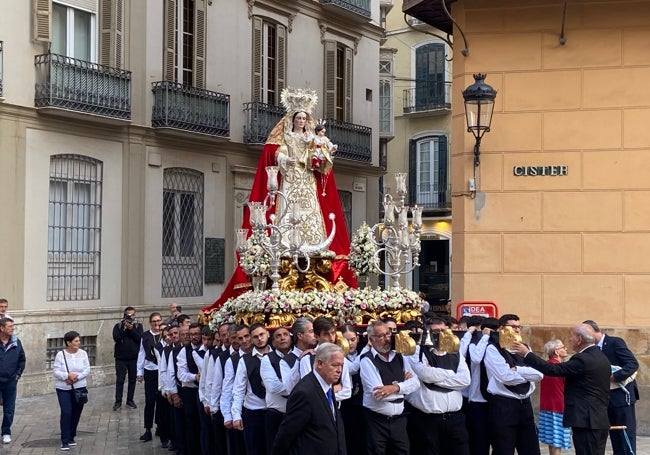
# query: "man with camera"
127, 335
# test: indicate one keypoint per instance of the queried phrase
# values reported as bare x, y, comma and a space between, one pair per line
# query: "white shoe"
6, 439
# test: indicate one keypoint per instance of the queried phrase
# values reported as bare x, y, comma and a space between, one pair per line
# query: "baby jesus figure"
323, 150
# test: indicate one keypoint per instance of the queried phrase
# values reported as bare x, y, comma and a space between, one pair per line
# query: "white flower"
362, 252
254, 261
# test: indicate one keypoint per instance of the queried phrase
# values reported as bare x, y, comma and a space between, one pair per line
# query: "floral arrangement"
362, 252
254, 261
356, 306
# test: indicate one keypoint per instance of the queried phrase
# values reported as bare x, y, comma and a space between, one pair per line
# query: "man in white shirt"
249, 395
304, 340
147, 370
276, 393
510, 385
436, 422
386, 380
188, 373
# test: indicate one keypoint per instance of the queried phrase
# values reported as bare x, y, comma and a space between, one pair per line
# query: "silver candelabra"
282, 236
399, 241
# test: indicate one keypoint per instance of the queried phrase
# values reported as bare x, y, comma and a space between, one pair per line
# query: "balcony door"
429, 76
428, 171
73, 32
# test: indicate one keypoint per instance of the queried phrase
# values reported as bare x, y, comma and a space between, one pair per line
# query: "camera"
128, 319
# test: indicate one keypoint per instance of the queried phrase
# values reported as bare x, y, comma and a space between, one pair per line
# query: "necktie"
330, 401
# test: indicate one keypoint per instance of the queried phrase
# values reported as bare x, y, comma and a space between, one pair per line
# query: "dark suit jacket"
586, 388
309, 427
618, 354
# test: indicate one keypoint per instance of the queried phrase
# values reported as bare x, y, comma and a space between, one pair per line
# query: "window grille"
54, 345
74, 228
182, 233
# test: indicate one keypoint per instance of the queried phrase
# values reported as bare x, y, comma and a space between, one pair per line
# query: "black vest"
234, 358
448, 361
192, 367
253, 363
223, 358
274, 358
149, 343
175, 351
513, 360
291, 358
389, 372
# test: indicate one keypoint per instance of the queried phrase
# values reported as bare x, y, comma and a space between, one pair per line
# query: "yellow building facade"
556, 246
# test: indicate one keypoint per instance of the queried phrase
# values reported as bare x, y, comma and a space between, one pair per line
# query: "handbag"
80, 396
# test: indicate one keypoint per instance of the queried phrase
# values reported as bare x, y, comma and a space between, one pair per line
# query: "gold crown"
299, 100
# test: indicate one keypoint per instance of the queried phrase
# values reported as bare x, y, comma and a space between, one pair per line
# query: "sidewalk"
103, 432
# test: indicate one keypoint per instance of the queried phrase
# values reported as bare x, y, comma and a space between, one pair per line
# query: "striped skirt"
552, 432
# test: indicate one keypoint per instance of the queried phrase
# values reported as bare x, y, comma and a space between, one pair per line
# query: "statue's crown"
295, 100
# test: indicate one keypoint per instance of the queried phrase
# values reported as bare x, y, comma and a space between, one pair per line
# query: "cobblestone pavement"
101, 431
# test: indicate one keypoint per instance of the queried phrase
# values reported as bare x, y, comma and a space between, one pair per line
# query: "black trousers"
512, 426
191, 423
385, 434
220, 444
235, 440
476, 416
207, 434
355, 431
623, 415
254, 431
273, 421
177, 430
163, 416
438, 434
122, 367
151, 398
589, 442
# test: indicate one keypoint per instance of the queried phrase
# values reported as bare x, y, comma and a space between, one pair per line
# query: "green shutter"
256, 85
169, 40
199, 44
329, 104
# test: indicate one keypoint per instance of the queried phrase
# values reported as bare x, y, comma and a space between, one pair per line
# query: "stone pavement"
101, 431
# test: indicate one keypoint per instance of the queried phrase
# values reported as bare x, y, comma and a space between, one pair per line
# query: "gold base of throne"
314, 279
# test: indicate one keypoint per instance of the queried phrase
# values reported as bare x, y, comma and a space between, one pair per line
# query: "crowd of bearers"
294, 390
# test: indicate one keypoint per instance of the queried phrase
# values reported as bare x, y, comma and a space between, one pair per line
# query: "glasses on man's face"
561, 347
383, 335
514, 326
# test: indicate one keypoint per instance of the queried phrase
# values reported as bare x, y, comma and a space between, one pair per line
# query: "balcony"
354, 141
260, 120
75, 85
430, 12
428, 97
433, 197
353, 9
190, 109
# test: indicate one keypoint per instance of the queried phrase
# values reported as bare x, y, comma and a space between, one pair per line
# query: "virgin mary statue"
290, 146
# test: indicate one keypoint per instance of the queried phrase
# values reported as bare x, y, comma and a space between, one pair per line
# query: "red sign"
468, 308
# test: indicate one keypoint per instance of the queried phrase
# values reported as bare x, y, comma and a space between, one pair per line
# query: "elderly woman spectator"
551, 403
71, 367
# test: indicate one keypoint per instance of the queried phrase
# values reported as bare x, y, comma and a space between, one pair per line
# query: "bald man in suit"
313, 422
586, 389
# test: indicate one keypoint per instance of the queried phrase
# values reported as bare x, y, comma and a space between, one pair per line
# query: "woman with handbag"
71, 367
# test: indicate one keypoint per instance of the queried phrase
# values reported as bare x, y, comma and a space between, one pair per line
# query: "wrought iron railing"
354, 141
360, 7
427, 96
260, 120
82, 86
432, 196
190, 109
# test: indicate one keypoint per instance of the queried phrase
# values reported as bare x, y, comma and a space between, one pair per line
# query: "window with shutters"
428, 171
338, 81
184, 56
385, 106
74, 228
431, 79
182, 233
269, 60
74, 32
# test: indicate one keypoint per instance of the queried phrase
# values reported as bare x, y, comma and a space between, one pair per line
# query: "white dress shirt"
476, 355
225, 402
276, 392
291, 376
434, 401
500, 374
242, 392
370, 379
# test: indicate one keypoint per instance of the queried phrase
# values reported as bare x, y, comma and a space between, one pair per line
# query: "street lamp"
479, 106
